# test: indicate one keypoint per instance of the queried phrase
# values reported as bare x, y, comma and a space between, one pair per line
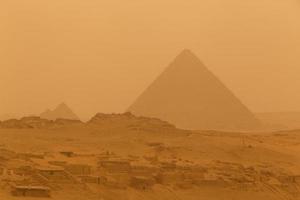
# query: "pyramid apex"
187, 53
62, 105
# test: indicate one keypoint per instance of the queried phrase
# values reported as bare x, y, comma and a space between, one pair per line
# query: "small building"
31, 191
286, 179
57, 163
142, 183
78, 169
167, 178
31, 155
116, 166
115, 182
67, 153
274, 182
212, 179
297, 179
168, 166
56, 175
144, 170
25, 170
93, 179
9, 175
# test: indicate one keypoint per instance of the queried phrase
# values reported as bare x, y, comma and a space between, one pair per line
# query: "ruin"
115, 166
31, 191
143, 183
67, 153
78, 169
55, 175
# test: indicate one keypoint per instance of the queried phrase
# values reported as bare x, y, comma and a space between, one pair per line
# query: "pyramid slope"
62, 111
188, 95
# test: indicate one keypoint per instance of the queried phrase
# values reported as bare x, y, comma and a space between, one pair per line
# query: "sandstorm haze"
143, 100
100, 55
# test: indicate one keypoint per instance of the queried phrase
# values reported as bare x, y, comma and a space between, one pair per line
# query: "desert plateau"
121, 156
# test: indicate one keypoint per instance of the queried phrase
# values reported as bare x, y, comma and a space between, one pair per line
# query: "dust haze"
149, 100
112, 50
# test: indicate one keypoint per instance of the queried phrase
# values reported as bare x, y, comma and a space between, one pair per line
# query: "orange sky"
98, 56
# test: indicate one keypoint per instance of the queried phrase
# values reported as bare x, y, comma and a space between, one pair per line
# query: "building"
31, 191
78, 169
55, 175
67, 153
115, 166
142, 183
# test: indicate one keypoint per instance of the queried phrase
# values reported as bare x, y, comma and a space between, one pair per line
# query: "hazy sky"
99, 55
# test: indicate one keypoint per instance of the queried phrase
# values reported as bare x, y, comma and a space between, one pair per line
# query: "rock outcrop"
129, 121
36, 123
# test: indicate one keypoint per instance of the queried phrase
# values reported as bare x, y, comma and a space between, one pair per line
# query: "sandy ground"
276, 151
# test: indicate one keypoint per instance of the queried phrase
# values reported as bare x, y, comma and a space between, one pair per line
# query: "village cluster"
38, 175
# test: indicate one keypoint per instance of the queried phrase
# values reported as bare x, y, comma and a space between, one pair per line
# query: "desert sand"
121, 156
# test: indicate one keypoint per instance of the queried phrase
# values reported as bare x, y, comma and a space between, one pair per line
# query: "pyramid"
62, 111
189, 96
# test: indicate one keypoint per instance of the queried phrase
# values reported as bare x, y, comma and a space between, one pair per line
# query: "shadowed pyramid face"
188, 95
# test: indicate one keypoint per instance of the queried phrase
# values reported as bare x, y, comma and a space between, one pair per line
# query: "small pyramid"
62, 111
188, 95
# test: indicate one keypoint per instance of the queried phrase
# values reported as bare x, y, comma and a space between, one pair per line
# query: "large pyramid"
62, 111
188, 95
